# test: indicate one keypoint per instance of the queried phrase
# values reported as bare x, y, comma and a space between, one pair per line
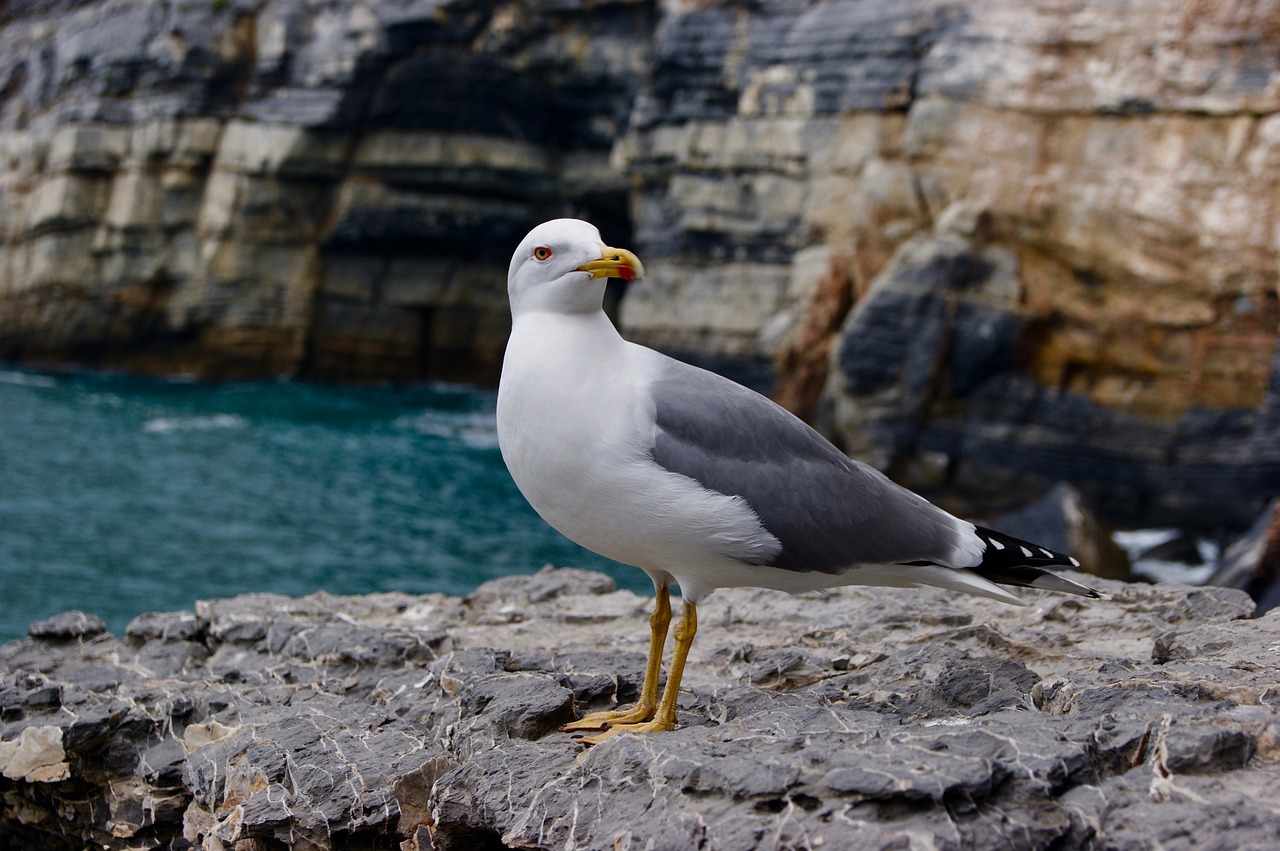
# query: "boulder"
1252, 562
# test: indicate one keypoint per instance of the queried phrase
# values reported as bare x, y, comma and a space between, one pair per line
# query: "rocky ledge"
866, 718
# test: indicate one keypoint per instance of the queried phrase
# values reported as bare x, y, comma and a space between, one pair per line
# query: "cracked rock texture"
849, 719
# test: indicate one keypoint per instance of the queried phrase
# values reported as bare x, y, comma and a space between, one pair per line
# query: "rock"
232, 189
1062, 521
804, 363
852, 716
1170, 555
547, 584
37, 756
929, 383
67, 626
1252, 563
1028, 308
1179, 548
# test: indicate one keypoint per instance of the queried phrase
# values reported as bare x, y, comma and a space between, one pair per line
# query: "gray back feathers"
828, 511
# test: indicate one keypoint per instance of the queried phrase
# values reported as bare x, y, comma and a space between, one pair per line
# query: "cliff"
990, 245
327, 190
848, 719
987, 246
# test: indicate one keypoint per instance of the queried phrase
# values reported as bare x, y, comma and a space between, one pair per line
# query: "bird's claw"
653, 726
598, 721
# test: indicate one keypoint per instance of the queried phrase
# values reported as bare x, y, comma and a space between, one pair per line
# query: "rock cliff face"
990, 244
324, 189
850, 719
986, 245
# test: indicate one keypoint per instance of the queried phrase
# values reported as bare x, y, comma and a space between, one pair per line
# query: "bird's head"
562, 266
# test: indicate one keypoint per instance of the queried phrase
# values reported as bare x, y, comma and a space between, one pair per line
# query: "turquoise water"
120, 495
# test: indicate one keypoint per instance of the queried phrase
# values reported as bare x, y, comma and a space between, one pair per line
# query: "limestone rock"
931, 381
37, 756
66, 626
324, 190
855, 716
1057, 260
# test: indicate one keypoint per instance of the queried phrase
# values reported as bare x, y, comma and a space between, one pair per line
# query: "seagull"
699, 481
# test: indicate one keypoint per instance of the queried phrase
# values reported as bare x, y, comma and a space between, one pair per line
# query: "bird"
699, 481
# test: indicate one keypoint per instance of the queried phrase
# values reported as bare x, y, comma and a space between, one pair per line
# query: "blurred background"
1020, 255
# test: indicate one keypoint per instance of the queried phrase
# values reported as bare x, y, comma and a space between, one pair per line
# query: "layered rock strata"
990, 245
851, 718
327, 190
986, 245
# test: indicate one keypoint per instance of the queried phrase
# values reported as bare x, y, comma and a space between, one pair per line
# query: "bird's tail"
1007, 560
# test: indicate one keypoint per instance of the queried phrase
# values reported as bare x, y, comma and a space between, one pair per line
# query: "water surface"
120, 495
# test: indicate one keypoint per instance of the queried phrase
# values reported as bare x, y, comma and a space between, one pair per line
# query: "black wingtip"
1007, 560
1003, 550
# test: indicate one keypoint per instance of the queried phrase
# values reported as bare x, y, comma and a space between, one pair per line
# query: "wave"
166, 425
26, 379
104, 400
473, 430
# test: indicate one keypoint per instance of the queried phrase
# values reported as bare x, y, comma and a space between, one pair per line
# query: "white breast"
575, 424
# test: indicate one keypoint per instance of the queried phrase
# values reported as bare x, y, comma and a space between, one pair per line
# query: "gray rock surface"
858, 718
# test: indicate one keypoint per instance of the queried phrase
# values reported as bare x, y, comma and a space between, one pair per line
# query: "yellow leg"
665, 718
644, 708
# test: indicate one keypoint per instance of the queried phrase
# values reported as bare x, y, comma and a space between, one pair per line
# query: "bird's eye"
541, 253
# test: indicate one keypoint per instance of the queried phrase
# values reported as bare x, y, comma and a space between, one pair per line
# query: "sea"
121, 495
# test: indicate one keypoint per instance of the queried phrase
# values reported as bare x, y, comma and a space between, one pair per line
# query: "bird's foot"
610, 718
657, 725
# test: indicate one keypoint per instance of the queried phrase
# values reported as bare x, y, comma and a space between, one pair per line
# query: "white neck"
554, 329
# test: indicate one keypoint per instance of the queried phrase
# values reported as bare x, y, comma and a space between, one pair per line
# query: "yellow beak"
614, 263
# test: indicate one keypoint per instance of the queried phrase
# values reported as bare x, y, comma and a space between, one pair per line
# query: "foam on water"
1137, 541
476, 430
27, 379
164, 425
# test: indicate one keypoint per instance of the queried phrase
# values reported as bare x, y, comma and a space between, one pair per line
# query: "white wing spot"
1047, 554
1075, 561
997, 544
1026, 552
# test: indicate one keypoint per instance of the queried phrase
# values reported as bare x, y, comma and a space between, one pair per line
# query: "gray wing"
828, 511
